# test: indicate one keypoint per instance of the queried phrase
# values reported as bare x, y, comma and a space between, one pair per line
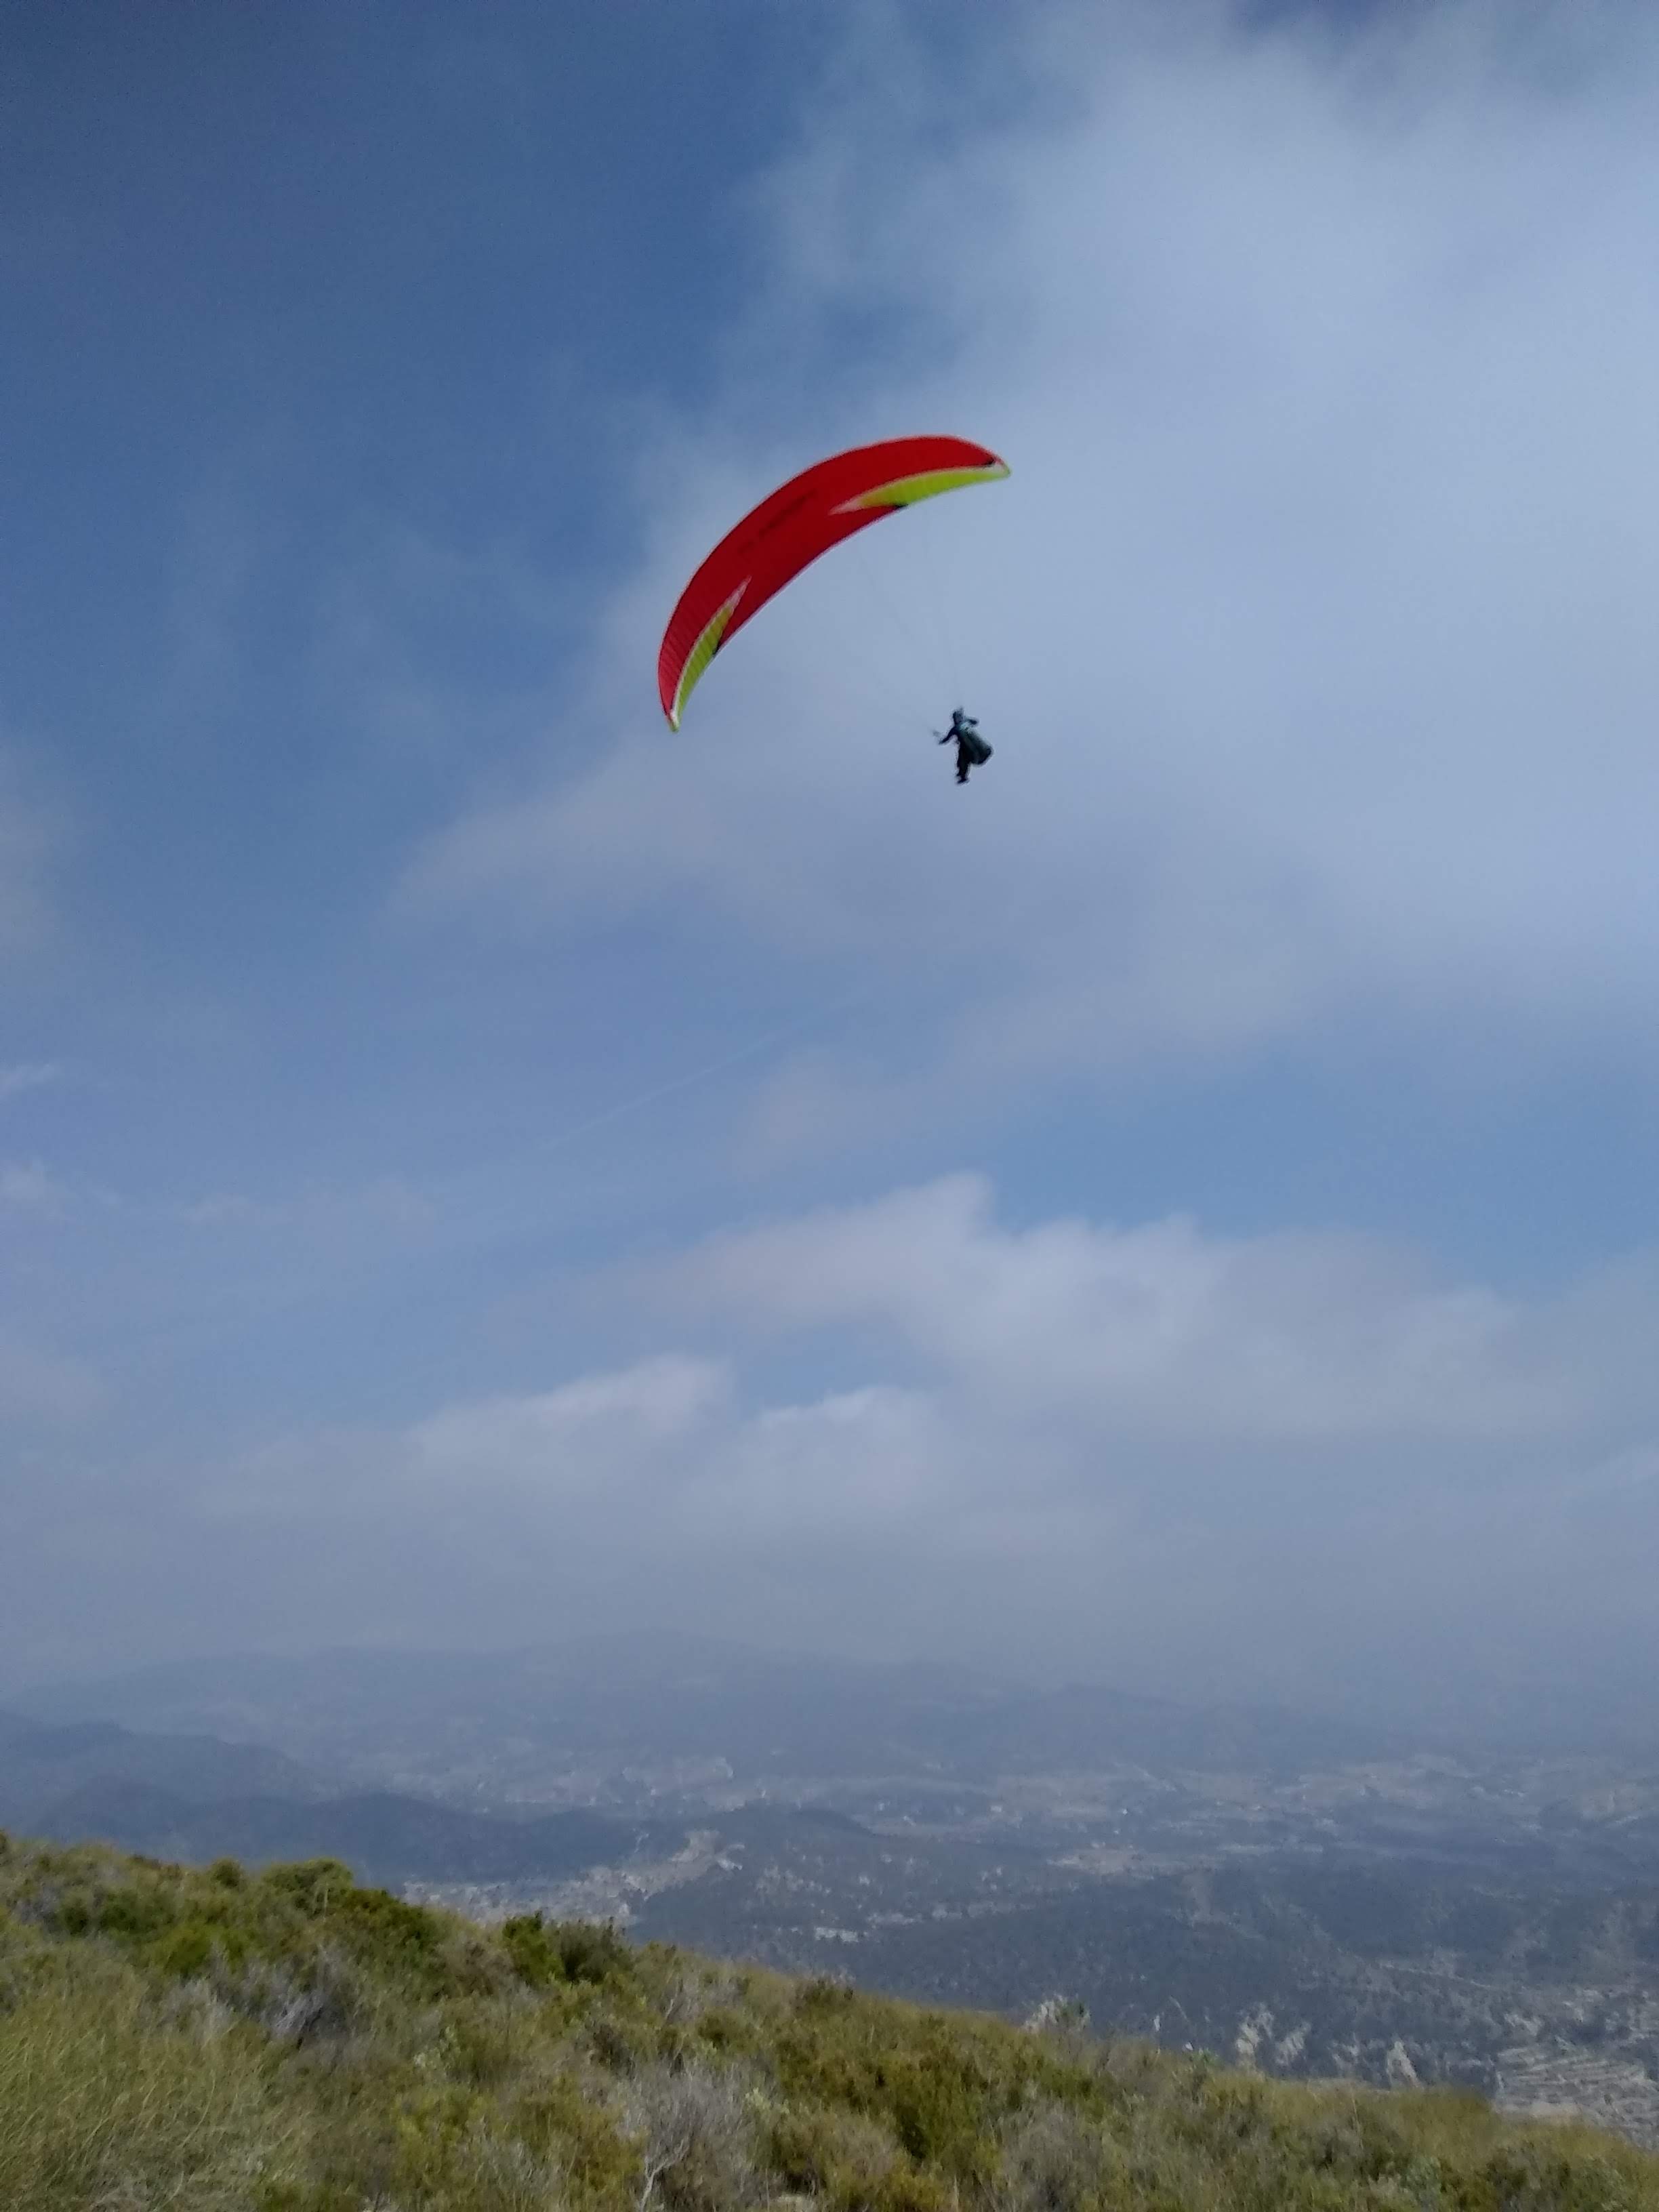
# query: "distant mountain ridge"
767, 1714
41, 1764
384, 1838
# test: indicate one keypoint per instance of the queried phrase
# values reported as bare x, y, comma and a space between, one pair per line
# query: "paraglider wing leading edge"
790, 529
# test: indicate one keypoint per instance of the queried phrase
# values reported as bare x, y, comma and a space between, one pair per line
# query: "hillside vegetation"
218, 2041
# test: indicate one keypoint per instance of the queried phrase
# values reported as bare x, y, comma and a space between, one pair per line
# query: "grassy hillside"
214, 2041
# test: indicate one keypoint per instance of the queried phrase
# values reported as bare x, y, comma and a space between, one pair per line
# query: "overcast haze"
475, 1168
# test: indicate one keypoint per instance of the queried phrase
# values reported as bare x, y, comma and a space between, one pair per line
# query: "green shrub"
76, 1914
530, 1948
309, 1885
390, 1936
544, 1951
818, 2151
185, 1950
134, 1915
589, 1951
570, 2126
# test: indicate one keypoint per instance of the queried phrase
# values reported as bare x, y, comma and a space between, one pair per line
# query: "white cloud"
1314, 627
1158, 1330
27, 1075
1145, 1453
600, 1430
587, 1442
26, 1187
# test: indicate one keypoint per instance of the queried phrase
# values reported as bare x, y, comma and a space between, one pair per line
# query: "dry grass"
105, 2103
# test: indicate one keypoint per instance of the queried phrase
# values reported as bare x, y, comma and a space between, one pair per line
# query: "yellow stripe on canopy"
708, 645
905, 491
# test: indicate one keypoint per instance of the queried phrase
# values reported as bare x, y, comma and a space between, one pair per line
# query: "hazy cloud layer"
1306, 1466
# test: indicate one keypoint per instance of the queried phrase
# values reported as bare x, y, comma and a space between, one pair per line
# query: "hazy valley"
1298, 1896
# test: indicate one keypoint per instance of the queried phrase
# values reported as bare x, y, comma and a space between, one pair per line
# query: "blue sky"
473, 1167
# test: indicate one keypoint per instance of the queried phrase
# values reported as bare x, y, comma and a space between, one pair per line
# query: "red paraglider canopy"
787, 531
